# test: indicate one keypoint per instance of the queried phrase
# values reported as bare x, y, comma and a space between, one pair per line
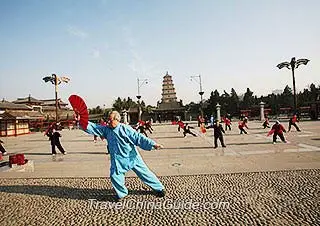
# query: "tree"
234, 102
118, 105
314, 92
248, 99
212, 102
96, 110
125, 104
286, 98
193, 107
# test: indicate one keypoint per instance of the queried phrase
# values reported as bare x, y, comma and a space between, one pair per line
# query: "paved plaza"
250, 182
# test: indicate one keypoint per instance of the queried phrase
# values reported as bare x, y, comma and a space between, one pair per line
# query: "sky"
104, 46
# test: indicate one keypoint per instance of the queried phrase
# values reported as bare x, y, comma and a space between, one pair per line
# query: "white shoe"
65, 153
4, 153
274, 142
53, 155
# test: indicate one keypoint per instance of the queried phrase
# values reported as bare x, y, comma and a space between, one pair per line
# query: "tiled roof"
27, 100
21, 115
6, 105
53, 102
53, 108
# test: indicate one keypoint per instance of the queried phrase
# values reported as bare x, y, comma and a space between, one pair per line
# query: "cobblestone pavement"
265, 198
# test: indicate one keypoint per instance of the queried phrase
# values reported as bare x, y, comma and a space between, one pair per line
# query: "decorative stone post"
218, 107
125, 118
139, 112
129, 119
262, 111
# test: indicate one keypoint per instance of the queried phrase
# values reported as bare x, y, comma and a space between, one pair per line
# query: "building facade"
29, 114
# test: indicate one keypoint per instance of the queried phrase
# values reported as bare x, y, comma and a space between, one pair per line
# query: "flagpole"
56, 94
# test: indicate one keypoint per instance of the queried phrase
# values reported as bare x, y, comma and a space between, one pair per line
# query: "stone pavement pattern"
268, 198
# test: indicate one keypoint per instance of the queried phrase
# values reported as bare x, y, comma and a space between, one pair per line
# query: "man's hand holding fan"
80, 109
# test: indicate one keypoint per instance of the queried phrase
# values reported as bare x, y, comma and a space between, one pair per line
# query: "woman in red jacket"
242, 125
277, 130
227, 123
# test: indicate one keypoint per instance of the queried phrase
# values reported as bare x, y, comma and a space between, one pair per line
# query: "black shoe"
215, 147
161, 193
224, 146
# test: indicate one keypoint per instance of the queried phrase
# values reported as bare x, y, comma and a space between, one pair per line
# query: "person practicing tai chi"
242, 125
292, 122
180, 125
54, 137
2, 149
266, 123
186, 129
148, 126
217, 134
141, 127
227, 123
122, 141
277, 130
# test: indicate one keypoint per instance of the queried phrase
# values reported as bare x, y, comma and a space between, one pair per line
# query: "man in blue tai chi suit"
122, 141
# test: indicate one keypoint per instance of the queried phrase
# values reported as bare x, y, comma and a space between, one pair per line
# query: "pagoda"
169, 108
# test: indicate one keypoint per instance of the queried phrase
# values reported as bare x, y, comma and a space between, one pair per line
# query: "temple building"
15, 118
29, 114
169, 108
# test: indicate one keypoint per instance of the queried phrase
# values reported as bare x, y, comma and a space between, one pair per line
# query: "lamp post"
56, 80
293, 65
140, 83
196, 77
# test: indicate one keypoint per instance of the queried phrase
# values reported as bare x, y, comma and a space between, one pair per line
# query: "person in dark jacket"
218, 134
54, 137
292, 122
2, 149
266, 123
186, 129
147, 126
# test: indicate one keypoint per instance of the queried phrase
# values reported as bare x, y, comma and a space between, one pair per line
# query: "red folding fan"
80, 108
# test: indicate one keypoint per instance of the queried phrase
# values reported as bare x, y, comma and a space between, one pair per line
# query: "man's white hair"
116, 115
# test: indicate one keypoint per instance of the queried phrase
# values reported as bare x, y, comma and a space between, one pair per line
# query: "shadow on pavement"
47, 153
265, 142
86, 153
89, 152
255, 128
189, 147
68, 192
168, 137
62, 140
208, 147
45, 140
167, 132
